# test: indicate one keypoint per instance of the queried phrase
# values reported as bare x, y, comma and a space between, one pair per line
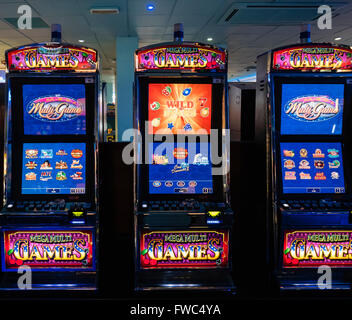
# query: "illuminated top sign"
313, 58
52, 57
185, 57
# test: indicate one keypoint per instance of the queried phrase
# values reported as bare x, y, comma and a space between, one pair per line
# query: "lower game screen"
180, 168
312, 167
54, 168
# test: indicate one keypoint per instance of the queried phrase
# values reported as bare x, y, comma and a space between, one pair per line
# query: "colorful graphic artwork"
180, 168
184, 57
44, 58
313, 58
184, 249
312, 167
312, 108
54, 109
313, 248
48, 249
179, 108
54, 168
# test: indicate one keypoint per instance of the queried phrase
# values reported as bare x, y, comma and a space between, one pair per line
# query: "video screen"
312, 167
179, 108
54, 109
312, 109
54, 168
180, 168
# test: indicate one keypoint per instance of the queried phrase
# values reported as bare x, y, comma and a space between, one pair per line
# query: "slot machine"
49, 220
183, 218
304, 95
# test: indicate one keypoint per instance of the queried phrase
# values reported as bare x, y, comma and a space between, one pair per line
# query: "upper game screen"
312, 109
312, 167
53, 109
180, 168
54, 168
179, 108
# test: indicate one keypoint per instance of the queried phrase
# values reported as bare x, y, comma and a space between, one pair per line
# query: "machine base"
309, 280
310, 285
216, 280
52, 281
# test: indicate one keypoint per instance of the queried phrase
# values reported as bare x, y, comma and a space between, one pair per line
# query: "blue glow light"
77, 221
150, 7
213, 221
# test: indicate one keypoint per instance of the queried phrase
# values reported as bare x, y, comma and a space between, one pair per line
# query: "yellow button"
214, 213
77, 213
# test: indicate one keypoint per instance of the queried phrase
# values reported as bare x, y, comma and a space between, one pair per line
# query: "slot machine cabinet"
183, 218
49, 221
303, 117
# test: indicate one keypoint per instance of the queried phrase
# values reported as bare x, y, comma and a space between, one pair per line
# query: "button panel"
182, 205
45, 206
314, 205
